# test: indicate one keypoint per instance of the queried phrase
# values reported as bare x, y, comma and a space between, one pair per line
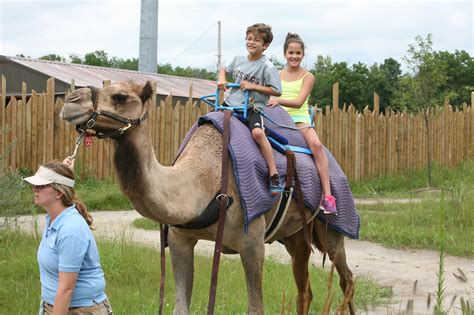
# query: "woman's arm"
67, 283
306, 88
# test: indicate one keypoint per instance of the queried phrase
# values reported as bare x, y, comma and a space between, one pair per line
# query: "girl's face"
45, 195
294, 54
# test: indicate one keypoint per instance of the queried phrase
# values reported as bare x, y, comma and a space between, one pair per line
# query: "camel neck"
153, 189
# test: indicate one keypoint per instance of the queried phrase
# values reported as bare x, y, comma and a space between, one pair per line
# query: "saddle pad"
251, 172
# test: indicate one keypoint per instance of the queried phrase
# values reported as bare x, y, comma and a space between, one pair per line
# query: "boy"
256, 74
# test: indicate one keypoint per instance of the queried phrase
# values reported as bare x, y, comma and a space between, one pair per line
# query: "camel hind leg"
300, 253
252, 257
333, 241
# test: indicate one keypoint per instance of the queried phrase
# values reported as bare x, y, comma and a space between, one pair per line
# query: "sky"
351, 31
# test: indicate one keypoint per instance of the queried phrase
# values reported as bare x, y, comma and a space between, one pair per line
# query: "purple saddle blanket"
251, 172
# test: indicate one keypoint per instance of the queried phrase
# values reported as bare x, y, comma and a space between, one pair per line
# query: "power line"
193, 43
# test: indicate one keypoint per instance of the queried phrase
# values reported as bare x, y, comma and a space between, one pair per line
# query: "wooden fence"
365, 144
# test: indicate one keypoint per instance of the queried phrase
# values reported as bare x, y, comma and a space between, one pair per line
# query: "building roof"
85, 75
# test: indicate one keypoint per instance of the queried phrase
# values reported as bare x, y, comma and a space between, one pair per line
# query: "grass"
412, 183
415, 225
16, 197
133, 272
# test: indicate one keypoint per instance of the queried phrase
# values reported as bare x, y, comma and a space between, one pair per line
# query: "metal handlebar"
217, 106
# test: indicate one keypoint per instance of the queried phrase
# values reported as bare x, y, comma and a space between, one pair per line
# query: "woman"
72, 280
297, 84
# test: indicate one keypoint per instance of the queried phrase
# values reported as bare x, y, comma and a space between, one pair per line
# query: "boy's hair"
292, 38
263, 30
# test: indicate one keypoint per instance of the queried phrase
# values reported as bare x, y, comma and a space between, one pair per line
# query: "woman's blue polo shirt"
69, 246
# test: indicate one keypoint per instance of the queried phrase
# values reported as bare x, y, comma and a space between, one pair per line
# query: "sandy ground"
395, 268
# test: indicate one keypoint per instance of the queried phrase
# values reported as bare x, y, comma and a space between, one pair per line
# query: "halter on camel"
115, 134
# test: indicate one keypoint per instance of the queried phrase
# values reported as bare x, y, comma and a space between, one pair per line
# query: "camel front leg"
300, 253
182, 260
252, 256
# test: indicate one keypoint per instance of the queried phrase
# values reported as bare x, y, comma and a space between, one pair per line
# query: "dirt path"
398, 269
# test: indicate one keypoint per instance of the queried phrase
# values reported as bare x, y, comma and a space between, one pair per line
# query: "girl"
297, 84
72, 280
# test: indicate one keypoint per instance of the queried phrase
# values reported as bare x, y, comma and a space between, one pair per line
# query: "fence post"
50, 119
335, 96
376, 103
3, 131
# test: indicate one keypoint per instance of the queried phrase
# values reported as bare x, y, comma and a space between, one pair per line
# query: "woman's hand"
273, 101
69, 162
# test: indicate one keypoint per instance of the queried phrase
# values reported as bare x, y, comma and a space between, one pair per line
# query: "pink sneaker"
328, 205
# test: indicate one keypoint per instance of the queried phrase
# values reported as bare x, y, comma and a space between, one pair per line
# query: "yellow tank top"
290, 91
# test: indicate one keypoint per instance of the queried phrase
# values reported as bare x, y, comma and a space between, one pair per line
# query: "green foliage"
415, 225
442, 252
146, 224
101, 58
356, 83
459, 71
186, 72
53, 57
16, 197
407, 183
423, 89
98, 58
277, 63
133, 274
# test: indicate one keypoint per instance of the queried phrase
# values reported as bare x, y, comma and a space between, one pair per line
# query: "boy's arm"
268, 90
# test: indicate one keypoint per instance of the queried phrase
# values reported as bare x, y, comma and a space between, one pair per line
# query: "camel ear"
147, 92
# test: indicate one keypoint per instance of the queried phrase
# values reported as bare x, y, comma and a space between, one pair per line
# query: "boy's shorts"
254, 119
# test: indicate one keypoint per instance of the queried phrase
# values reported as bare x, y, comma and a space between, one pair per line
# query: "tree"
277, 63
74, 58
128, 64
385, 80
459, 71
425, 87
53, 57
98, 58
322, 89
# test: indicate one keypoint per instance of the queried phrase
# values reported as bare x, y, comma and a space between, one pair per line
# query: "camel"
178, 194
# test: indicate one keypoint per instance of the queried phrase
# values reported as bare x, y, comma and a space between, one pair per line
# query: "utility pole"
147, 59
219, 48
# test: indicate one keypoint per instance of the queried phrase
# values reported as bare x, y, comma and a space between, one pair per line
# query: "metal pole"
219, 47
147, 59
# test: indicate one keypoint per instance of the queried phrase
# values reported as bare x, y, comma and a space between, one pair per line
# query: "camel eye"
120, 98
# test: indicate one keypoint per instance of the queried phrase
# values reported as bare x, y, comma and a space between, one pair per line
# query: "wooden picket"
366, 144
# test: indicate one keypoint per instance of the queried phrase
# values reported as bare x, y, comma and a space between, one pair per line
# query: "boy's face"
254, 44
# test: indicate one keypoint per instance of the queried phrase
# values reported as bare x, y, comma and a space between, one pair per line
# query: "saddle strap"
222, 212
163, 267
290, 155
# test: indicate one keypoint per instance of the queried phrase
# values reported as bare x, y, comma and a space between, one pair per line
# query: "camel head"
108, 110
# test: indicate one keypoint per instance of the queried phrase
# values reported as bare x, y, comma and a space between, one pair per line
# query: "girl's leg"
319, 155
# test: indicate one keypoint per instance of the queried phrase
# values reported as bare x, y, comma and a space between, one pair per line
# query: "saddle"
251, 172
